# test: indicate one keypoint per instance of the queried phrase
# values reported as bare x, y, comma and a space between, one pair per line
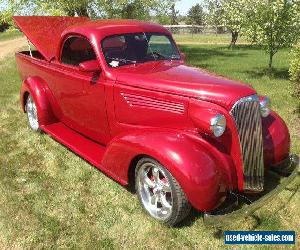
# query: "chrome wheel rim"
32, 114
155, 191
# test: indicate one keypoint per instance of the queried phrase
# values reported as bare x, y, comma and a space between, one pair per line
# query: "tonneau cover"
44, 32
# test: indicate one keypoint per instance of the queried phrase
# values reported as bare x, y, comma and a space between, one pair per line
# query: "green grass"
8, 35
206, 39
50, 198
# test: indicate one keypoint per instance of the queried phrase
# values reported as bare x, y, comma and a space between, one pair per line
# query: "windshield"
135, 48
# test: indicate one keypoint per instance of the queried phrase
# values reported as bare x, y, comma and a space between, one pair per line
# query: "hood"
176, 78
44, 32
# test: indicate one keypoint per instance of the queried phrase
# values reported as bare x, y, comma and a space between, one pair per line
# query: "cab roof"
46, 32
126, 25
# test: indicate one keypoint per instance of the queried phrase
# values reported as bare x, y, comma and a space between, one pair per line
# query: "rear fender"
196, 169
41, 95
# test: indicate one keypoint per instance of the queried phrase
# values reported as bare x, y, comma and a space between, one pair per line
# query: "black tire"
32, 114
180, 206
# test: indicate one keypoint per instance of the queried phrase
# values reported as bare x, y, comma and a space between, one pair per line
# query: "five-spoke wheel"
159, 193
32, 114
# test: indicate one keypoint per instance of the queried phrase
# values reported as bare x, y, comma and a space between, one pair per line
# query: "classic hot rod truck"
118, 93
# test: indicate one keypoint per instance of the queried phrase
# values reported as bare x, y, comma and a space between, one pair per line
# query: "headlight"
218, 125
264, 104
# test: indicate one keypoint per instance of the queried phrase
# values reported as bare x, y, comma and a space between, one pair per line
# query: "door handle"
95, 78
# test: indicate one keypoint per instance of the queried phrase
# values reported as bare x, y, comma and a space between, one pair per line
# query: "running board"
84, 147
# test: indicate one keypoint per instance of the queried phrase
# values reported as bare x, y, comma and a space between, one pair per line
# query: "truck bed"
35, 54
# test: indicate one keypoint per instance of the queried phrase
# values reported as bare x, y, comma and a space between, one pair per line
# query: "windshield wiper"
158, 54
174, 57
121, 60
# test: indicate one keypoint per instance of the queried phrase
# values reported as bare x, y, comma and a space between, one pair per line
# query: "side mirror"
183, 56
90, 66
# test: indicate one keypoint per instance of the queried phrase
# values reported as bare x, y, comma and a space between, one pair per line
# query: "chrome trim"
32, 114
220, 219
264, 106
247, 117
214, 123
250, 98
141, 101
155, 191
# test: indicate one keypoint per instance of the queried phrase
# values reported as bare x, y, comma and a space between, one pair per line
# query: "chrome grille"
247, 117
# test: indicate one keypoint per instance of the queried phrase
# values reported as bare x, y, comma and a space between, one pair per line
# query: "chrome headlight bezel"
218, 125
264, 106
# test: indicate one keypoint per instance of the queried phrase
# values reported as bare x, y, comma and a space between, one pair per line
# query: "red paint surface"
44, 31
160, 109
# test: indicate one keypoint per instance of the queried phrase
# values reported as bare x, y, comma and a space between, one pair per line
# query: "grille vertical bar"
247, 117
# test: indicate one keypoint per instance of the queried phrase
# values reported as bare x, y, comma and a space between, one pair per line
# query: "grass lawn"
50, 198
7, 35
206, 39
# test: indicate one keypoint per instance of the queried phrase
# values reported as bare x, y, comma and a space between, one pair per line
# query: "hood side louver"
153, 103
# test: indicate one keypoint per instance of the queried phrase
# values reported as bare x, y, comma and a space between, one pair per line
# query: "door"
81, 95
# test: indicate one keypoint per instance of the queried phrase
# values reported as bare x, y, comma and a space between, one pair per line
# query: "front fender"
197, 170
276, 139
39, 91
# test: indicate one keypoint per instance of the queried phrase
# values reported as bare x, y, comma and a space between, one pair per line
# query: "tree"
130, 9
6, 13
233, 17
67, 7
215, 13
294, 70
173, 14
50, 7
274, 24
196, 15
162, 13
5, 20
228, 13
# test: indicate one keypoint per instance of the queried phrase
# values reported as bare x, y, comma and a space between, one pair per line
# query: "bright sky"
184, 5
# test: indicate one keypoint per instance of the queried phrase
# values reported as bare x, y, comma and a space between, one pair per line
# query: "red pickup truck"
118, 93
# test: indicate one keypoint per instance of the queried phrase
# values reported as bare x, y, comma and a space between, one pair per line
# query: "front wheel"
159, 193
32, 114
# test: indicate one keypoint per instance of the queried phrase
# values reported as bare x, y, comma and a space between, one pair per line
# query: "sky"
184, 5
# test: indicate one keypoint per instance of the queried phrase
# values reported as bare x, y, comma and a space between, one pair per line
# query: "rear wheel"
32, 114
159, 193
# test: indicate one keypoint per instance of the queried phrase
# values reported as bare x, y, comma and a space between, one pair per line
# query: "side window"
77, 50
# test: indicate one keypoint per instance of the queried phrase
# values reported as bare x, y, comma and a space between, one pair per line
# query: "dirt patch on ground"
11, 46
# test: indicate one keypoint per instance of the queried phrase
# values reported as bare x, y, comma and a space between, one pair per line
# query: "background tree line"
271, 24
162, 11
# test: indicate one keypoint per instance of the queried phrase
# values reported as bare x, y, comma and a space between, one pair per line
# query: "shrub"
3, 26
295, 69
6, 22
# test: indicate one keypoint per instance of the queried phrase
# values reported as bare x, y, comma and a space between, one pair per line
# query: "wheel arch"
131, 170
191, 164
24, 100
38, 89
